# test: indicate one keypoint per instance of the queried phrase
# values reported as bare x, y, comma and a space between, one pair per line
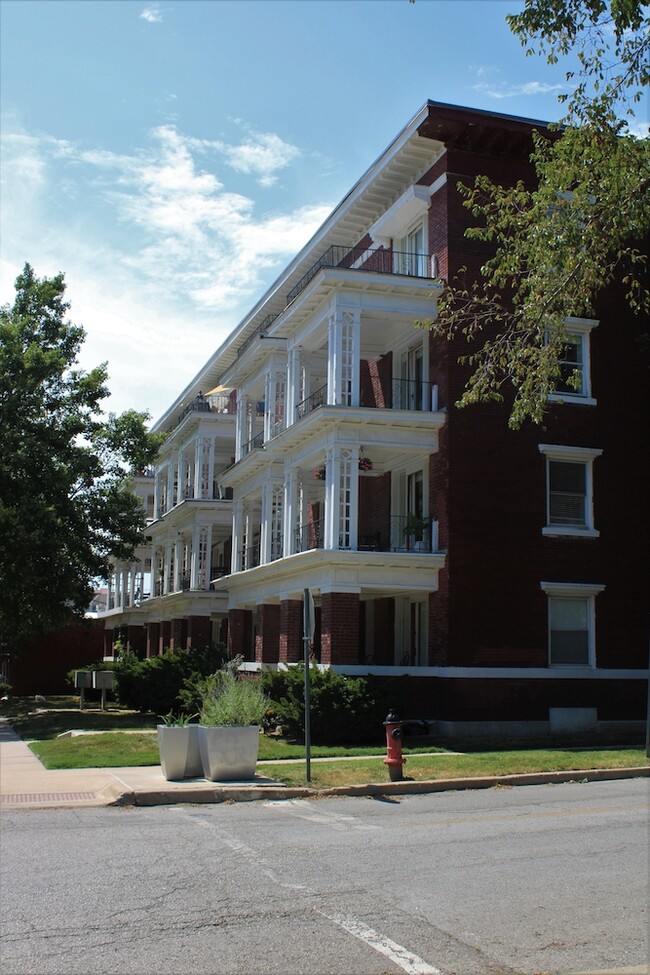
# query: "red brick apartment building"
319, 447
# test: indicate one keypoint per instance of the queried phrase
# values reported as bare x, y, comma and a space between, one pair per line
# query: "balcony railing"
250, 556
198, 405
257, 443
400, 534
413, 394
396, 394
311, 403
261, 329
366, 259
310, 536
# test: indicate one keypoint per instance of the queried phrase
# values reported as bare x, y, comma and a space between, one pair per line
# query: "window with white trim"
574, 385
571, 623
409, 252
569, 490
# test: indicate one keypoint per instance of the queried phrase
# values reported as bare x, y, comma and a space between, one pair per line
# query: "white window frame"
572, 455
585, 592
579, 330
402, 255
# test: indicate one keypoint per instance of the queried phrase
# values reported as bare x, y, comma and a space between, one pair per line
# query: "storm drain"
26, 797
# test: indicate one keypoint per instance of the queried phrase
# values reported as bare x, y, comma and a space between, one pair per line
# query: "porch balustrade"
362, 258
400, 534
256, 443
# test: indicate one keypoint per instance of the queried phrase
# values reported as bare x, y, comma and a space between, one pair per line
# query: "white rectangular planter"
229, 753
180, 757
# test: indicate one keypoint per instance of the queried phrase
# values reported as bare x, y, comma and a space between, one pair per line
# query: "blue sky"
170, 158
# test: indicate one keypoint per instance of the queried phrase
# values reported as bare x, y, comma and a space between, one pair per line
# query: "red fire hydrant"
394, 759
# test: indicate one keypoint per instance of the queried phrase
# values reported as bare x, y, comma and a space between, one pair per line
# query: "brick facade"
267, 633
153, 639
485, 484
339, 628
240, 630
290, 637
199, 632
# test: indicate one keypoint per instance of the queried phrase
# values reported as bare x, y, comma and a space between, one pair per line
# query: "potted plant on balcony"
414, 529
232, 712
178, 743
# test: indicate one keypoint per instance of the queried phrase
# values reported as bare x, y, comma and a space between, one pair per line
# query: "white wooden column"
167, 581
204, 470
237, 536
182, 475
291, 510
178, 563
241, 425
132, 576
293, 385
205, 557
332, 478
156, 496
169, 493
265, 526
341, 497
343, 359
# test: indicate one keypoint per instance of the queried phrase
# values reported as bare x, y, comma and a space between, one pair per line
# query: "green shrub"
343, 710
229, 701
154, 684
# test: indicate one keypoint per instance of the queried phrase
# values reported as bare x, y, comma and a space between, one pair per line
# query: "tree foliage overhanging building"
557, 245
65, 501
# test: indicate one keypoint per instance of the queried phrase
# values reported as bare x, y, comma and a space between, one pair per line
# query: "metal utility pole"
308, 636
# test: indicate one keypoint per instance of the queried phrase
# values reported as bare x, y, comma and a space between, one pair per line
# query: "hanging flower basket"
319, 473
365, 464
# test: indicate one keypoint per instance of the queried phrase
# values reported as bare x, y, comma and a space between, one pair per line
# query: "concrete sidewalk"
26, 783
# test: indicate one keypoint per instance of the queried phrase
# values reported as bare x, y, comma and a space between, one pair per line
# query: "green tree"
65, 502
556, 246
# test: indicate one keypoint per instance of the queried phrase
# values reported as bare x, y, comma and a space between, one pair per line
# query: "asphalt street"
536, 879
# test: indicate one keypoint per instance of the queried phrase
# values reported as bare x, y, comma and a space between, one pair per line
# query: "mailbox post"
103, 681
82, 680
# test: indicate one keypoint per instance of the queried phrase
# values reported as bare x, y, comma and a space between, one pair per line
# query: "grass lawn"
423, 767
120, 749
36, 722
128, 741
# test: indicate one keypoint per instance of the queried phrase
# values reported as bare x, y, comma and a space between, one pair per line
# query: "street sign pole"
308, 636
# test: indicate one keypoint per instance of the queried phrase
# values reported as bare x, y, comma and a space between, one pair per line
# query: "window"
410, 253
571, 623
574, 385
572, 366
569, 490
412, 379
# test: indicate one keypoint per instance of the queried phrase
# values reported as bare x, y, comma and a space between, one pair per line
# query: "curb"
255, 793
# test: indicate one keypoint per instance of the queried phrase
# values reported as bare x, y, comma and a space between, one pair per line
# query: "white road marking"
303, 809
409, 962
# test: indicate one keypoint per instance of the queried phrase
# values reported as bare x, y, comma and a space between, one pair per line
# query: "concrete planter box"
179, 752
229, 753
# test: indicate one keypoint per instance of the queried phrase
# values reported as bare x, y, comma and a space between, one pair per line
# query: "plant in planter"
414, 530
231, 714
178, 743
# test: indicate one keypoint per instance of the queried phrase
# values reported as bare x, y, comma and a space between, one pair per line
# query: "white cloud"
161, 256
490, 83
502, 89
153, 15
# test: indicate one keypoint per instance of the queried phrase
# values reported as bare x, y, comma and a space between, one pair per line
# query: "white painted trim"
573, 398
581, 455
576, 590
561, 452
470, 673
569, 531
582, 590
407, 210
